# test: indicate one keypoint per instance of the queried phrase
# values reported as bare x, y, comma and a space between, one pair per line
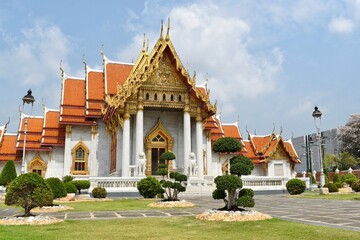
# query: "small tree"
81, 184
173, 188
162, 170
166, 157
226, 186
8, 173
336, 178
28, 191
227, 145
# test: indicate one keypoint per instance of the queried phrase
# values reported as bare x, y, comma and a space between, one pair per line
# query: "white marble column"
187, 135
126, 145
139, 147
209, 169
199, 148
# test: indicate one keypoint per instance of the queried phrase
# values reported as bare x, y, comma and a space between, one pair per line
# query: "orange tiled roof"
231, 130
95, 93
53, 133
33, 134
8, 148
116, 73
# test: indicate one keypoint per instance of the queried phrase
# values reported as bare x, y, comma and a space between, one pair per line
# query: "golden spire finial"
273, 131
194, 77
168, 30
238, 121
161, 30
83, 59
7, 123
144, 44
43, 104
206, 81
101, 50
147, 45
281, 130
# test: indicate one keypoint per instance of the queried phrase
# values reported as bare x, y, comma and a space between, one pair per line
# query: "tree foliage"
349, 136
28, 191
81, 184
347, 160
227, 145
241, 165
8, 173
174, 187
57, 187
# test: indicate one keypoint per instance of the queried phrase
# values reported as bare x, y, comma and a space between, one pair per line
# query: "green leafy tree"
349, 136
226, 186
331, 161
28, 191
347, 160
241, 165
166, 157
8, 173
81, 184
227, 145
173, 188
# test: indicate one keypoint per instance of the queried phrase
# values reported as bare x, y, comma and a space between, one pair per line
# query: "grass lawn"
334, 196
175, 228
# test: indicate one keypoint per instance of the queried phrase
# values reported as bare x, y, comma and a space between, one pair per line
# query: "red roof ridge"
115, 62
89, 69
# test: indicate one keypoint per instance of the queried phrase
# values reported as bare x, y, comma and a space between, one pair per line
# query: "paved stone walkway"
332, 213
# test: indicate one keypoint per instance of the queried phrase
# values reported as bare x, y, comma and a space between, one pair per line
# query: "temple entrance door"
155, 159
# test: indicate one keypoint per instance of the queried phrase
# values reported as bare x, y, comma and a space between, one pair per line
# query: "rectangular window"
278, 169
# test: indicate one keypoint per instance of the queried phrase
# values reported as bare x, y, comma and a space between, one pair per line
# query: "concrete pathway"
331, 213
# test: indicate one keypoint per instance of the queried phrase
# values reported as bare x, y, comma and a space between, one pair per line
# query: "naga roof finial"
144, 44
62, 70
168, 30
161, 30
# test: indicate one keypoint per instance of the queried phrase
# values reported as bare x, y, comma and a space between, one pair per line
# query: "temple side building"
116, 122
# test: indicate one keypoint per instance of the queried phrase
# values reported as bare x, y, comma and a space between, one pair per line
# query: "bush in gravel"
81, 184
99, 192
57, 187
295, 186
332, 187
246, 201
8, 173
28, 191
149, 187
356, 186
70, 187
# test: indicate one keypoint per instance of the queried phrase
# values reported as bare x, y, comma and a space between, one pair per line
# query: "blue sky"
268, 62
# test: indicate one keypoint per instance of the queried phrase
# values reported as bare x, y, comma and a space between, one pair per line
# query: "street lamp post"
317, 115
28, 98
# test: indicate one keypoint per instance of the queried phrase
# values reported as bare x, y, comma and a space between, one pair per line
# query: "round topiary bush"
356, 186
70, 187
99, 192
246, 201
8, 173
332, 187
246, 192
81, 184
295, 186
28, 191
57, 187
149, 187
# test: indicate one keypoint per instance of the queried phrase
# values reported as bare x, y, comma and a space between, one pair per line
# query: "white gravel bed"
33, 220
171, 204
230, 216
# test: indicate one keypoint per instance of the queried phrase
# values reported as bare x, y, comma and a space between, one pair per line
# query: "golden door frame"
37, 164
168, 144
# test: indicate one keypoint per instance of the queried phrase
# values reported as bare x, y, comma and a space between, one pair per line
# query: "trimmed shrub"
28, 191
350, 178
57, 187
295, 186
149, 187
246, 201
218, 194
332, 187
227, 145
67, 178
356, 186
336, 178
99, 192
342, 179
246, 192
8, 173
338, 185
81, 184
70, 187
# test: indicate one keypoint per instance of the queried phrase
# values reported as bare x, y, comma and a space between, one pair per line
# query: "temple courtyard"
340, 214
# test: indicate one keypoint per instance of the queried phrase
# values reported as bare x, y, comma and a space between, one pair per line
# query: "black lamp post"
317, 115
28, 98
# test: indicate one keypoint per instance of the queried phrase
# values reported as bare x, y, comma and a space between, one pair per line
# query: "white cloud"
304, 106
34, 58
341, 25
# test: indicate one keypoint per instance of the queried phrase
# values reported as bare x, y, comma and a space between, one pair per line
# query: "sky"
268, 63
